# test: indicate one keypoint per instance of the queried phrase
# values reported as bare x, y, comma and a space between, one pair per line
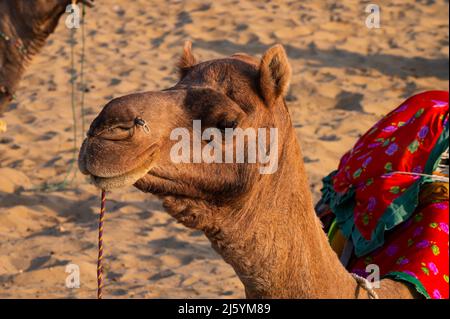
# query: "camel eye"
224, 123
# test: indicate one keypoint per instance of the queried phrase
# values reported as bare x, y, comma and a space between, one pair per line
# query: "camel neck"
28, 31
276, 244
22, 35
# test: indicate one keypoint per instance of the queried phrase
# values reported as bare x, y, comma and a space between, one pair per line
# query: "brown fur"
30, 22
275, 74
187, 59
263, 225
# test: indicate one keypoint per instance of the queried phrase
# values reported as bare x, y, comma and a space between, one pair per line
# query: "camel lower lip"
125, 179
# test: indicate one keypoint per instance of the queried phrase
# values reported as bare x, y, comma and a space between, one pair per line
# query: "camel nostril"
116, 133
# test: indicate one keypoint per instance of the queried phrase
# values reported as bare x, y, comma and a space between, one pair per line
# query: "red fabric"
419, 248
401, 141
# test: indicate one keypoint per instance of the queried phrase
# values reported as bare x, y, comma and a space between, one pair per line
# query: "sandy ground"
345, 76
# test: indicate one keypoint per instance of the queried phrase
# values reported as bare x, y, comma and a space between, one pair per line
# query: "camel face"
131, 141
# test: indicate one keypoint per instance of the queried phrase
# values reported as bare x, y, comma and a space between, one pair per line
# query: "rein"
4, 90
366, 285
100, 247
67, 180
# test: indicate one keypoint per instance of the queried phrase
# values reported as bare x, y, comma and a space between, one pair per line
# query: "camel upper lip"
140, 157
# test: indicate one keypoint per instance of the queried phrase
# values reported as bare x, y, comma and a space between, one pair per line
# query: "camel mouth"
127, 178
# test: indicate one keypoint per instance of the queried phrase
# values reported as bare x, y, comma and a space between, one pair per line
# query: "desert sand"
345, 77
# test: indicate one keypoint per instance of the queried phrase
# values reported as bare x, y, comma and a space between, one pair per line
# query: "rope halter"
366, 285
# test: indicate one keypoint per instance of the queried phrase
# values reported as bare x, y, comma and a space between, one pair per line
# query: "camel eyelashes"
224, 123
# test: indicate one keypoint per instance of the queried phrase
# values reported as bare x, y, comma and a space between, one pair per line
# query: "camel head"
24, 27
135, 140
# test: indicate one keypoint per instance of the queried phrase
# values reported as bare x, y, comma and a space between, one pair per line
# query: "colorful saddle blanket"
374, 195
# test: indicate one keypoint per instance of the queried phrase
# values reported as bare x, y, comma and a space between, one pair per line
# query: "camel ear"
187, 59
275, 74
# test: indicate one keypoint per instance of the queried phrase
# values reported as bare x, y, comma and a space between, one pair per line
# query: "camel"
24, 28
263, 225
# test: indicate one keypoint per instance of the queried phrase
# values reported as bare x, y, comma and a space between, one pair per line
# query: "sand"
345, 76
